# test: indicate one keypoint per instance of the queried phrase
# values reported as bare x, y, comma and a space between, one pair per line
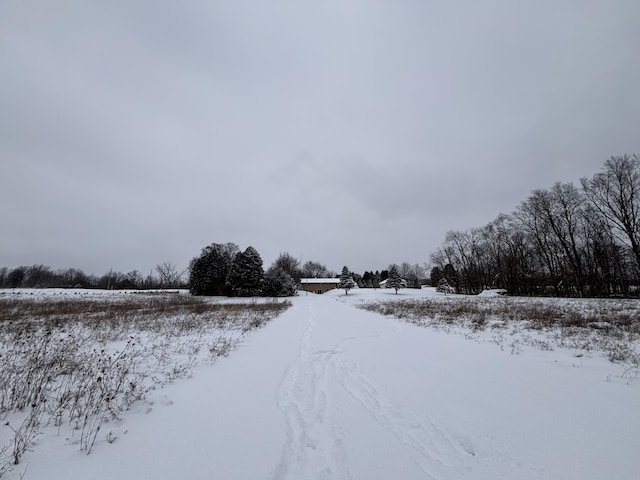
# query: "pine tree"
375, 280
366, 279
395, 280
346, 282
436, 276
208, 272
444, 287
451, 276
246, 277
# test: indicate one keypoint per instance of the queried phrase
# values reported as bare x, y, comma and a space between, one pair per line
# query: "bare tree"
169, 275
508, 254
545, 262
411, 273
37, 276
133, 279
567, 222
615, 193
72, 277
563, 240
554, 221
404, 269
288, 264
314, 270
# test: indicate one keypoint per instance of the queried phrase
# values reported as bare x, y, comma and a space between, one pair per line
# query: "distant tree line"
166, 275
566, 240
414, 276
223, 269
220, 269
208, 274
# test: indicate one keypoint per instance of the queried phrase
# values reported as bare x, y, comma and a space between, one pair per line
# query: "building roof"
320, 280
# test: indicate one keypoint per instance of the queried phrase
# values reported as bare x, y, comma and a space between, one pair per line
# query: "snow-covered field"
331, 391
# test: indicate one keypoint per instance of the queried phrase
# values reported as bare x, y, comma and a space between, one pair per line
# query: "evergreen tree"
208, 272
436, 276
444, 287
246, 276
395, 281
366, 279
278, 283
346, 281
375, 280
451, 275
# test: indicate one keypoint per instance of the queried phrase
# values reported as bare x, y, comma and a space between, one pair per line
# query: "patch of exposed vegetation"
610, 326
78, 363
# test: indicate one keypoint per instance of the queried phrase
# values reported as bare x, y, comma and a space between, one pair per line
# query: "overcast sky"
348, 132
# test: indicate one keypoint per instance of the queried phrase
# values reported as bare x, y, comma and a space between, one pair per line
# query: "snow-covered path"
322, 395
327, 391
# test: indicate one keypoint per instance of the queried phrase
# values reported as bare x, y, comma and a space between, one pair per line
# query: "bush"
278, 283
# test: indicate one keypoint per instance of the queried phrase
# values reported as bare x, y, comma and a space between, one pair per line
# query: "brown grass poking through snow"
611, 326
80, 362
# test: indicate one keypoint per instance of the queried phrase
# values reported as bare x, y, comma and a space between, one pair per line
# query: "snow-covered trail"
327, 391
322, 384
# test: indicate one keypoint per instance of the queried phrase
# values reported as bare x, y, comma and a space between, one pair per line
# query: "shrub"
278, 283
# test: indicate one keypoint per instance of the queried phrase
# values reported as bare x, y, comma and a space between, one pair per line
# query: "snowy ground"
329, 391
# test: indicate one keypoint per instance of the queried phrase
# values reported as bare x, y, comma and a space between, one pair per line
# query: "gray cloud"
354, 132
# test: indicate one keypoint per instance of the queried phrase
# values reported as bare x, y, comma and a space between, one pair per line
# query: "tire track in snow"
313, 447
439, 453
435, 451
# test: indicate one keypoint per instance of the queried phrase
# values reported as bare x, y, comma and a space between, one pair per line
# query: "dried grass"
79, 362
611, 326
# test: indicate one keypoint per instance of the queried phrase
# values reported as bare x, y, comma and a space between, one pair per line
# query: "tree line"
566, 240
223, 269
217, 260
165, 275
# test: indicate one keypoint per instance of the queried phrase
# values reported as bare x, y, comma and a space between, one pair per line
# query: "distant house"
319, 285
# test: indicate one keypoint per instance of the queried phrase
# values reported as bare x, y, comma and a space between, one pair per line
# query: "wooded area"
565, 240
